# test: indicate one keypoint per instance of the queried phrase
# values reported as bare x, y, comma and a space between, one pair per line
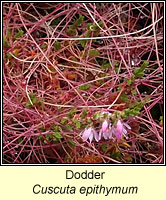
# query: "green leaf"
12, 63
72, 112
63, 120
83, 43
5, 43
57, 135
42, 129
147, 99
19, 140
89, 120
101, 24
48, 137
19, 34
55, 22
134, 92
8, 56
104, 147
94, 52
78, 22
140, 74
56, 128
116, 70
136, 71
28, 104
78, 124
144, 65
116, 63
43, 46
124, 98
32, 97
84, 87
129, 82
70, 31
40, 137
161, 118
129, 159
116, 155
84, 113
71, 143
120, 87
106, 66
94, 27
57, 45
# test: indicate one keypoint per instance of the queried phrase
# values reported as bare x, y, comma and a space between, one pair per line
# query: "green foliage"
147, 99
43, 46
94, 52
83, 43
96, 116
116, 70
116, 155
70, 31
56, 128
93, 27
106, 66
12, 63
78, 22
20, 140
124, 98
55, 22
139, 72
144, 65
84, 87
84, 113
28, 104
5, 42
42, 129
134, 92
116, 64
129, 160
19, 34
134, 109
120, 87
32, 97
72, 113
57, 136
40, 137
48, 138
104, 147
63, 120
35, 101
71, 143
131, 80
8, 56
57, 45
78, 124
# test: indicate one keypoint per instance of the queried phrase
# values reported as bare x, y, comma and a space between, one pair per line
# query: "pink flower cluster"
107, 131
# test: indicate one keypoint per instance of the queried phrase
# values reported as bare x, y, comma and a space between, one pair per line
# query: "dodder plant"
83, 83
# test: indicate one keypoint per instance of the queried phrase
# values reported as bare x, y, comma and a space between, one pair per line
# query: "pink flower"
105, 131
104, 126
120, 129
89, 133
118, 132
